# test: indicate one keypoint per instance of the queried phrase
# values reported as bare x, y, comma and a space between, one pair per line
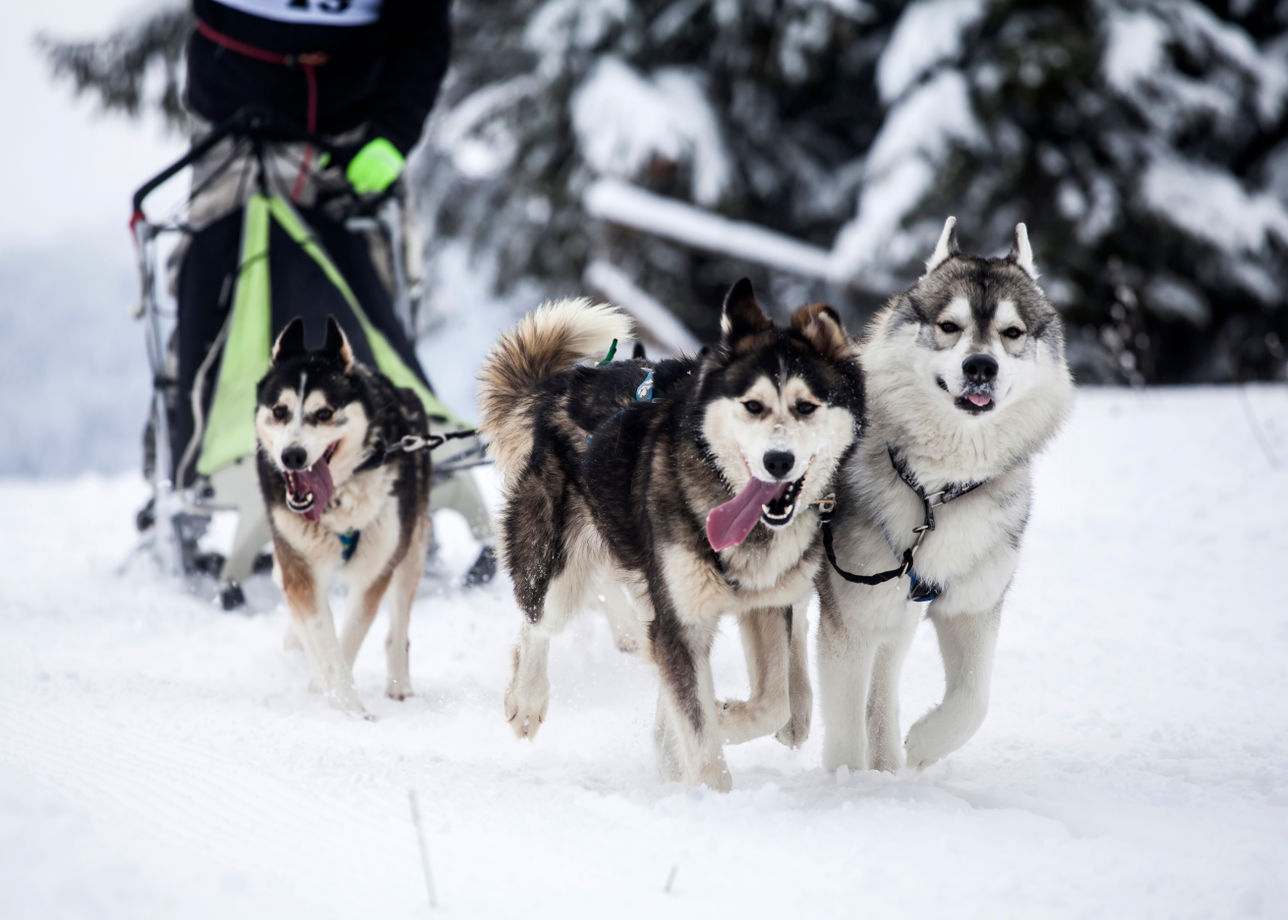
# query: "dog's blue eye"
754, 406
1014, 332
804, 407
948, 328
323, 415
280, 413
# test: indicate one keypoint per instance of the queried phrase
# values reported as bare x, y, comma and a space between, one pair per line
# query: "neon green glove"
375, 167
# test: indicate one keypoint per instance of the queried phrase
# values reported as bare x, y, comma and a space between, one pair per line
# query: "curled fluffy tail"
548, 340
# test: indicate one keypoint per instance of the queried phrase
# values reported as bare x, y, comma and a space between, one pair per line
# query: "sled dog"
341, 505
699, 502
966, 380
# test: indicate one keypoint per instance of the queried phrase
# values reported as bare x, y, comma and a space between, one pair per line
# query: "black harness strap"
879, 578
949, 492
921, 590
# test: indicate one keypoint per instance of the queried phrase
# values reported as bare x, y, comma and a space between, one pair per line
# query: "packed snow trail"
161, 758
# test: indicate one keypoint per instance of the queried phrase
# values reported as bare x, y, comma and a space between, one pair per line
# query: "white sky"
64, 167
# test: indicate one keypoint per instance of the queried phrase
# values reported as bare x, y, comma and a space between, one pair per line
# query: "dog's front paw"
796, 731
944, 729
927, 740
715, 775
398, 690
347, 701
525, 711
742, 720
843, 750
731, 719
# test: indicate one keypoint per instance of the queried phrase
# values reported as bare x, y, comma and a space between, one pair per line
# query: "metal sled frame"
181, 514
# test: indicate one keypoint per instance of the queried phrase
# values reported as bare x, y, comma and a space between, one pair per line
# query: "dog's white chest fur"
362, 504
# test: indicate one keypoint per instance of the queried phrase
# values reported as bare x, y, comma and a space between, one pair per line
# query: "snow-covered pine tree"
1143, 141
140, 58
760, 110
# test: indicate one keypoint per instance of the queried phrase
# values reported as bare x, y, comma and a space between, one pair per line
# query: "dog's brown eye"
323, 415
948, 327
754, 406
1013, 332
804, 407
280, 413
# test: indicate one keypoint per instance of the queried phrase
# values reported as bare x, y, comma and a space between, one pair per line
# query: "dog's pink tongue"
729, 524
317, 480
979, 399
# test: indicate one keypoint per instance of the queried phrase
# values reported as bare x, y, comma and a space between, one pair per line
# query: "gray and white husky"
699, 501
966, 380
341, 505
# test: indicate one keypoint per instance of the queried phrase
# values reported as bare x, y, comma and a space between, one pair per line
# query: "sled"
241, 278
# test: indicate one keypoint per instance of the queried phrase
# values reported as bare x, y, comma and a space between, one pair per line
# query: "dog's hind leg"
765, 645
967, 643
670, 764
623, 617
800, 694
402, 595
845, 661
533, 551
553, 581
528, 696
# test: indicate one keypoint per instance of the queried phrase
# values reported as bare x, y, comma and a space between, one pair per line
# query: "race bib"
312, 12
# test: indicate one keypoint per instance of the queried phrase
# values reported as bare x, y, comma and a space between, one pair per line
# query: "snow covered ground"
161, 758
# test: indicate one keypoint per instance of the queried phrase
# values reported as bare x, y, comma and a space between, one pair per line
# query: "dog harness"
643, 392
406, 444
920, 590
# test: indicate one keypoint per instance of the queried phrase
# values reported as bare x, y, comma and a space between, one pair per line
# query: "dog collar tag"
349, 543
920, 591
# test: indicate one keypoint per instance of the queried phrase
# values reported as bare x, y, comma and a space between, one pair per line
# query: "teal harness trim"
349, 543
643, 393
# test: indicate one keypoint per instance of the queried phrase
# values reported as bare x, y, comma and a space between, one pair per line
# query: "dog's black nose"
293, 458
778, 463
980, 368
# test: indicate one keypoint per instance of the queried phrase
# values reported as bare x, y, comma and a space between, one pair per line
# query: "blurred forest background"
654, 151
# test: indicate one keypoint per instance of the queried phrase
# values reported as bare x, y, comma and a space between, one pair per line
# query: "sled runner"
240, 279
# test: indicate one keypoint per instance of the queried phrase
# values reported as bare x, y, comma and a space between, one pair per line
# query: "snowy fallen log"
629, 206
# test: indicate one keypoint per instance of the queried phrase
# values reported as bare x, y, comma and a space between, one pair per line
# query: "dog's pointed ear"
290, 343
1022, 253
820, 325
946, 248
337, 343
742, 315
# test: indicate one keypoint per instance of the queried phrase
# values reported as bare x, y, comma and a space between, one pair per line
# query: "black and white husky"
699, 503
966, 380
341, 505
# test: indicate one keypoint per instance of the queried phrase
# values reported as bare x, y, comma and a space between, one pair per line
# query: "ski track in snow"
161, 758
